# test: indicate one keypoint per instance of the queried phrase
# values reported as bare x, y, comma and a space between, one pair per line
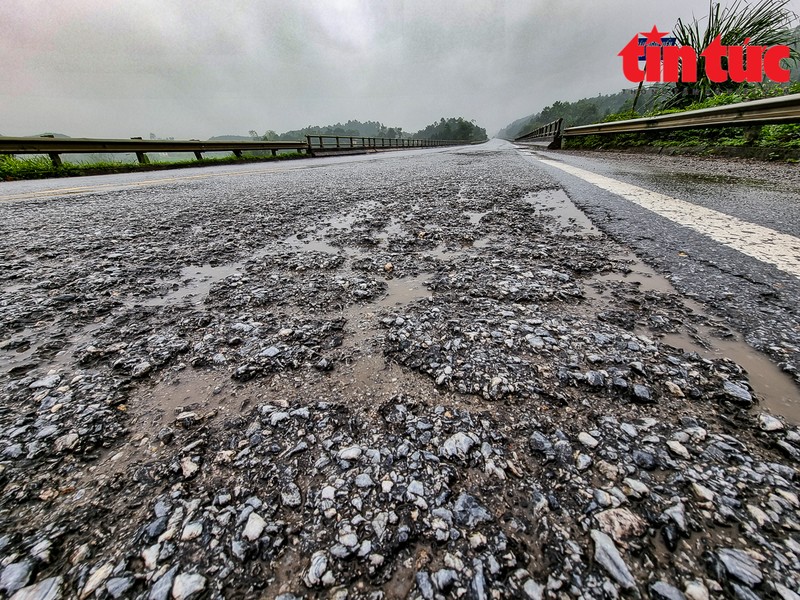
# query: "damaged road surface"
427, 375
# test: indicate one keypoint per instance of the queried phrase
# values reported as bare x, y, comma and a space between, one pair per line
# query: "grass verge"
13, 168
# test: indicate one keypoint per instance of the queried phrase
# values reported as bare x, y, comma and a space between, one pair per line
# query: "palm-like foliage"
765, 22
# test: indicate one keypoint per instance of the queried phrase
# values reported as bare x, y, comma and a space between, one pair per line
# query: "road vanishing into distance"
488, 371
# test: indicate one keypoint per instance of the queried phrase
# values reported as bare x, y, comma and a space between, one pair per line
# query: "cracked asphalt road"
423, 374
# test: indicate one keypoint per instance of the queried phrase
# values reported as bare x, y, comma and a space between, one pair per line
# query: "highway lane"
71, 186
756, 296
395, 375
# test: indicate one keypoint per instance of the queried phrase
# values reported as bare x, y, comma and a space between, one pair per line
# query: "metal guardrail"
770, 111
54, 146
546, 133
339, 143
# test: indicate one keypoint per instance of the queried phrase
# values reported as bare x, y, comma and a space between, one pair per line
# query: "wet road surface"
459, 372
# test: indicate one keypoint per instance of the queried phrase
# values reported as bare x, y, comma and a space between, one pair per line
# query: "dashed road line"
762, 243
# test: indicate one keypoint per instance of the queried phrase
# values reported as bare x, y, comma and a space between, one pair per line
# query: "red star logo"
653, 37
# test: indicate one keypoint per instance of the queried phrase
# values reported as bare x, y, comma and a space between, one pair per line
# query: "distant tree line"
580, 112
350, 128
456, 128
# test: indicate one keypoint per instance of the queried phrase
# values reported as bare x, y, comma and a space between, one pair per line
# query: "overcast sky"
198, 68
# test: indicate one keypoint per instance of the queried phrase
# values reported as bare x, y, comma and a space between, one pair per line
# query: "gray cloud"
200, 68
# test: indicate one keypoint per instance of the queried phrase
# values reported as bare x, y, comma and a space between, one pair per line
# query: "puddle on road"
442, 253
208, 395
475, 216
202, 393
445, 254
196, 282
28, 349
556, 204
405, 290
343, 222
776, 390
779, 393
17, 350
310, 244
642, 275
362, 210
392, 230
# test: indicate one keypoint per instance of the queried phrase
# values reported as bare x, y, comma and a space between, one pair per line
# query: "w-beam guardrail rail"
770, 111
549, 134
341, 143
53, 146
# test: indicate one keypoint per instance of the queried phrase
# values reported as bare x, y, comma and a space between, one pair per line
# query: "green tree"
453, 129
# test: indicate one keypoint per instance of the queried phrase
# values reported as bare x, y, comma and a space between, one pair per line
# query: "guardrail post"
556, 143
141, 156
198, 155
274, 152
237, 153
309, 148
56, 159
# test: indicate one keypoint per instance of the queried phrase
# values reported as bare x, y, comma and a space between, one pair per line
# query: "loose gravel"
426, 377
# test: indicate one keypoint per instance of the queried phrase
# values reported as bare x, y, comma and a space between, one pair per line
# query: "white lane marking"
761, 243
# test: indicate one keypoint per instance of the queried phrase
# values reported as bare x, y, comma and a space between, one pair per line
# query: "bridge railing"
54, 147
549, 135
334, 143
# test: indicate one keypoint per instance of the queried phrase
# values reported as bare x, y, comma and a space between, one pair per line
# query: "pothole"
404, 290
310, 244
569, 219
475, 216
196, 282
775, 389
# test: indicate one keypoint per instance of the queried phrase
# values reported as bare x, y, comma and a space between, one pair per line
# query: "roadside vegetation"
763, 23
39, 167
766, 136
